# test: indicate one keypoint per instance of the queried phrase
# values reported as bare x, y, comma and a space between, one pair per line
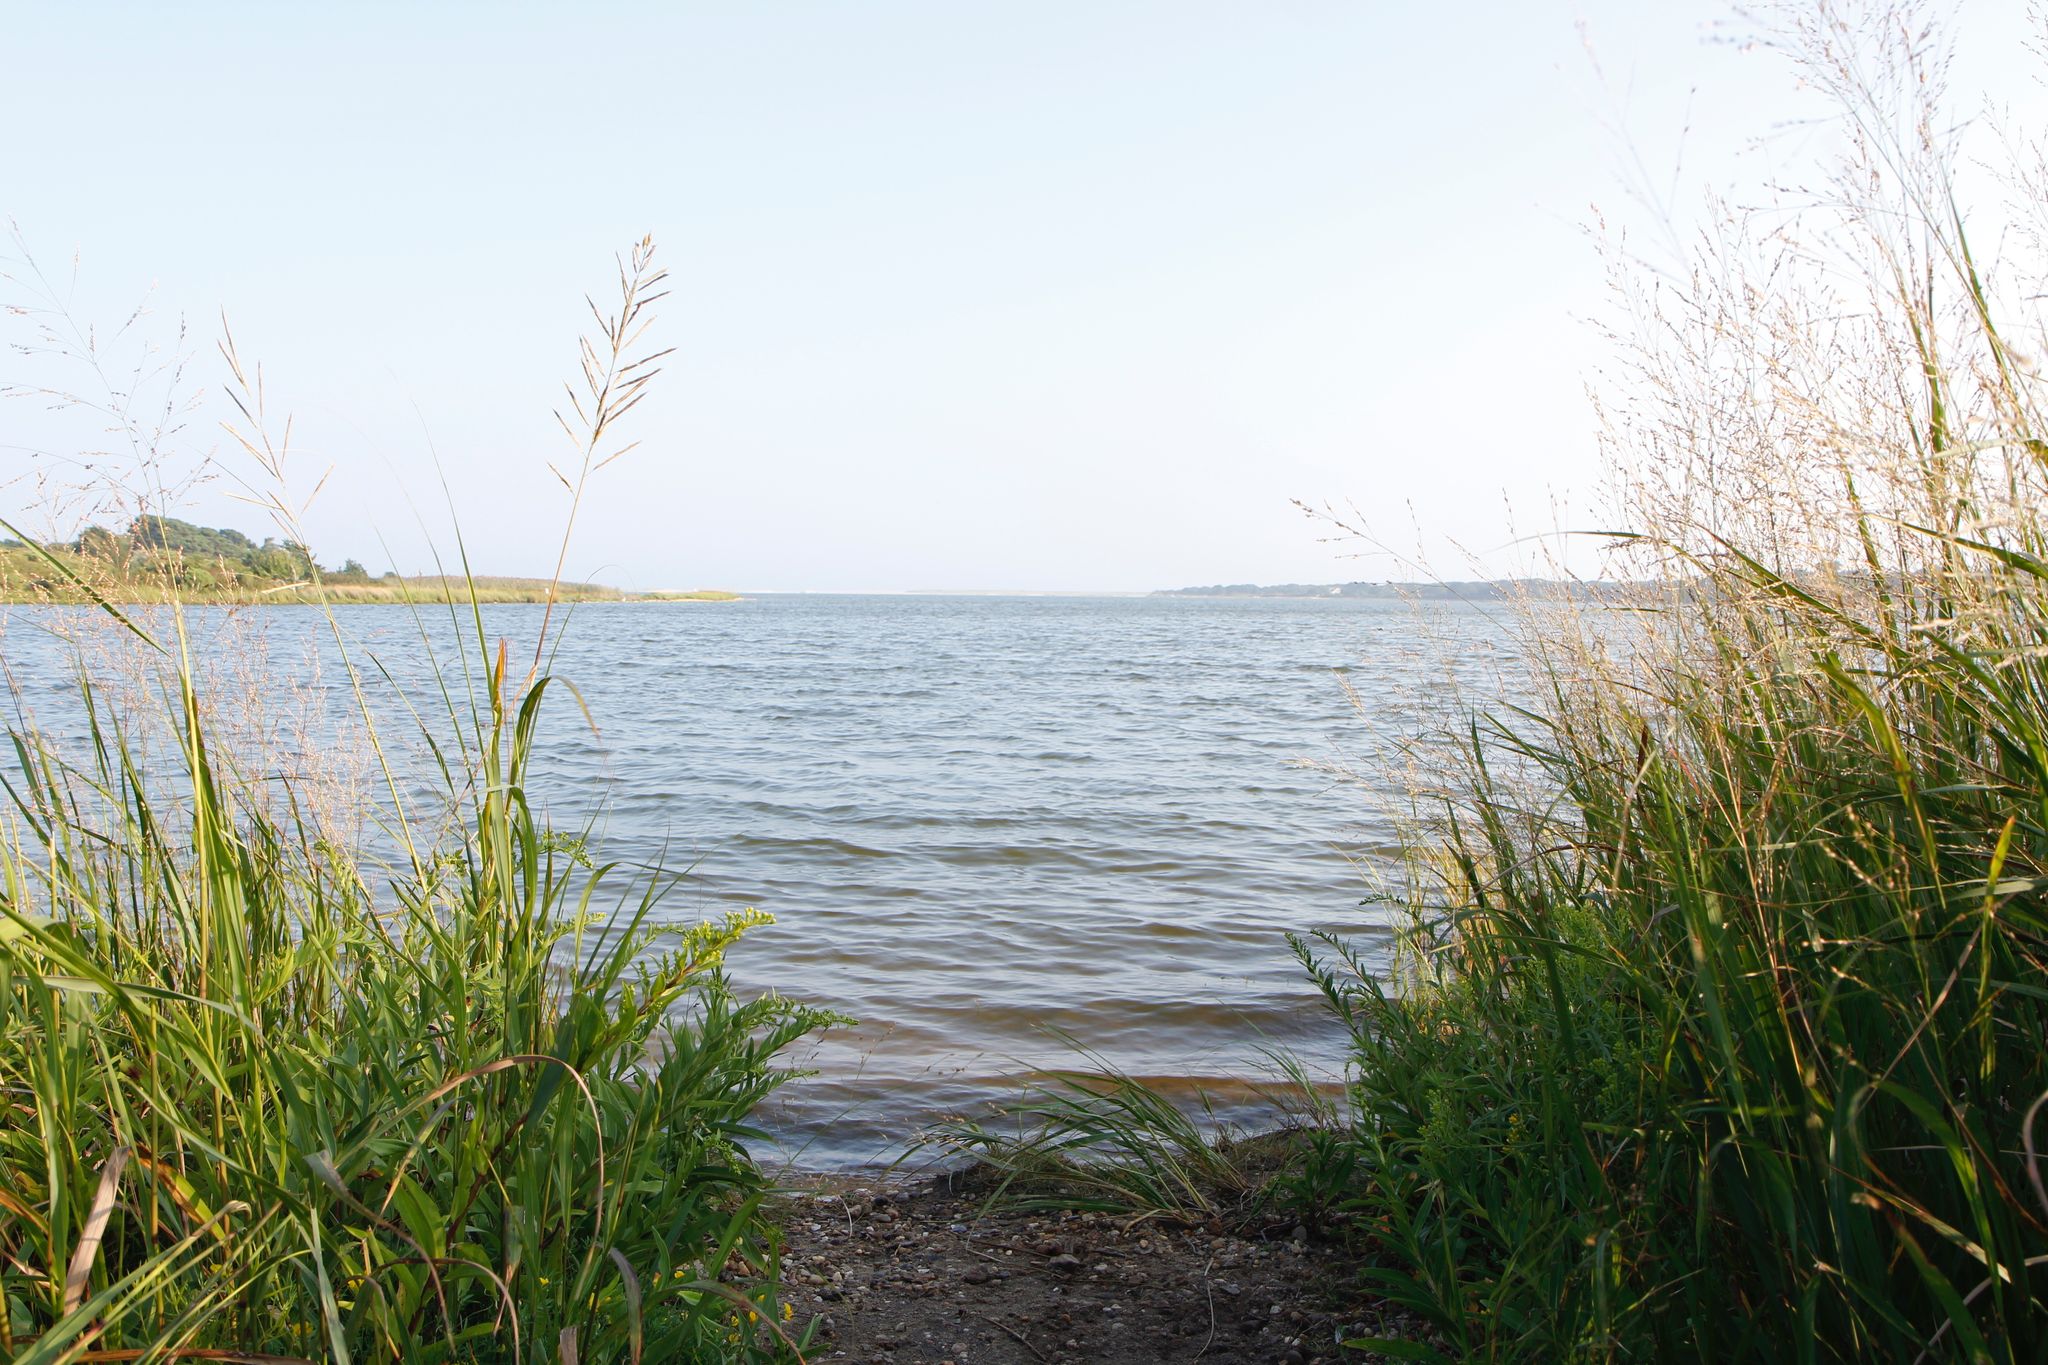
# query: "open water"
980, 822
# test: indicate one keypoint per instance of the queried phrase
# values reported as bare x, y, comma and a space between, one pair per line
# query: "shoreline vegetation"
273, 1096
1710, 1030
162, 559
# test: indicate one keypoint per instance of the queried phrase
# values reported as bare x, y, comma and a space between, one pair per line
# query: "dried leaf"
80, 1270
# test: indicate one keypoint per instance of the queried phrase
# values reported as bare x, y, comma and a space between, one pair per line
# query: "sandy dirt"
918, 1271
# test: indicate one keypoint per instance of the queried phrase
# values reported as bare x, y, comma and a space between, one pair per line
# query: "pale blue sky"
1004, 295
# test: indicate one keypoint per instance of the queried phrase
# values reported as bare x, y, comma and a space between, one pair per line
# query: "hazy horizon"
1058, 299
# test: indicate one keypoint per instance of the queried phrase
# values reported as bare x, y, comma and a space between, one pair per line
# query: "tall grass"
263, 1097
1096, 1137
1720, 1033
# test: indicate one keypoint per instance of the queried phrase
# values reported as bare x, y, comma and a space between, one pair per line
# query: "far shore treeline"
159, 557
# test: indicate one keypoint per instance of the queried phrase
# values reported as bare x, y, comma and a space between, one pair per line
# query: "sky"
1011, 296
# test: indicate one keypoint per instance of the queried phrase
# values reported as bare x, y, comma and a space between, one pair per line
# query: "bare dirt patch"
920, 1271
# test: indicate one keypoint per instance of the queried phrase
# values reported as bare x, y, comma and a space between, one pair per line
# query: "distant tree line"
200, 557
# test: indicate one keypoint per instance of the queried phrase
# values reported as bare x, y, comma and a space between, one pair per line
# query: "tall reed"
1719, 1034
266, 1098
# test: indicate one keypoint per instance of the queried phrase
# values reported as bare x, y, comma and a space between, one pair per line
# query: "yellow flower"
788, 1311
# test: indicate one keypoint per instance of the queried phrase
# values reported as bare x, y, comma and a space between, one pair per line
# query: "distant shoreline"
417, 592
159, 560
1480, 590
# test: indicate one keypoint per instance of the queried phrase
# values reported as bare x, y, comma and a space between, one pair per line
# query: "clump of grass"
255, 1105
266, 1097
1718, 1033
1095, 1137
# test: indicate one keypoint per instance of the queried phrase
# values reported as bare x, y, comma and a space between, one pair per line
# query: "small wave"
823, 845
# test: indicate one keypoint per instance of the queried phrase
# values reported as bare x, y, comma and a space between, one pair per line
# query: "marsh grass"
266, 1098
1092, 1136
1717, 1029
478, 1118
1095, 1137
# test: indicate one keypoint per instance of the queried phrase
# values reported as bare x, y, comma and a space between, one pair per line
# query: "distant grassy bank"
163, 559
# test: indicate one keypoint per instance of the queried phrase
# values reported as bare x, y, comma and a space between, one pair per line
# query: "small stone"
1065, 1263
976, 1275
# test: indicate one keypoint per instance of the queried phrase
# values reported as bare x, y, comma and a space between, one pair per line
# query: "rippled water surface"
981, 820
